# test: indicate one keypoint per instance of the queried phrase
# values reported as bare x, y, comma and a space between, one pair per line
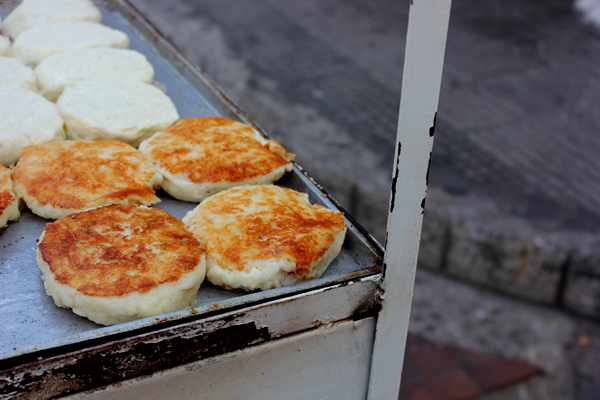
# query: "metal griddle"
340, 336
31, 322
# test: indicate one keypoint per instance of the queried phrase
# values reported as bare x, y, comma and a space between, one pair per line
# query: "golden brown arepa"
121, 262
9, 204
265, 236
57, 179
199, 157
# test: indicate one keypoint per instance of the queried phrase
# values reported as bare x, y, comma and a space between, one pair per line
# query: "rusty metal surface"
250, 373
31, 323
85, 366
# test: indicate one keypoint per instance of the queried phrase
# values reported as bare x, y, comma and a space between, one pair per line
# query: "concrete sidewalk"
514, 196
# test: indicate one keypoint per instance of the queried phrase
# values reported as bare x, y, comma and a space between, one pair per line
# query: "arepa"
16, 74
5, 50
121, 262
26, 118
9, 204
35, 44
265, 236
74, 67
123, 109
199, 157
57, 179
30, 13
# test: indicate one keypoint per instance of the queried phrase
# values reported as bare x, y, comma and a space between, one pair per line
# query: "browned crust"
283, 225
71, 175
6, 196
6, 199
90, 252
223, 150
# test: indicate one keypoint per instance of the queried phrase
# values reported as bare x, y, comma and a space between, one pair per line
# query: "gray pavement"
513, 204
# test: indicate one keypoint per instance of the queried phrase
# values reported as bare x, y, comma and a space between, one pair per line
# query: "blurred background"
510, 253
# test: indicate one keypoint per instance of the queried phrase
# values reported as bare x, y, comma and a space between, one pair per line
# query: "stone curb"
521, 266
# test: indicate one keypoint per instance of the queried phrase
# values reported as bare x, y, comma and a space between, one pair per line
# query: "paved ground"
514, 185
444, 372
566, 347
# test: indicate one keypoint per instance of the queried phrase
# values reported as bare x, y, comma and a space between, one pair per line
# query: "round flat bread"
9, 205
69, 68
265, 236
14, 73
119, 263
35, 44
26, 118
5, 50
199, 157
57, 179
32, 13
123, 109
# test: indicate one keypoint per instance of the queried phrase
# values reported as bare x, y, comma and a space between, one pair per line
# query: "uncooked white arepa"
57, 179
75, 67
26, 118
30, 13
9, 204
16, 74
35, 44
5, 48
199, 157
265, 236
123, 109
119, 263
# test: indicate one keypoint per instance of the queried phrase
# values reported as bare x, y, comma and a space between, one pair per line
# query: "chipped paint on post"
425, 46
395, 179
432, 129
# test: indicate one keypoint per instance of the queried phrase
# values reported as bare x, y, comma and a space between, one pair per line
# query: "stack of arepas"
110, 256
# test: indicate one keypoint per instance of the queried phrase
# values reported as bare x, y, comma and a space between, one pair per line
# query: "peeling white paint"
425, 47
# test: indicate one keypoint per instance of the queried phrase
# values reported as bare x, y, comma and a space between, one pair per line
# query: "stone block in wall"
582, 285
433, 244
506, 263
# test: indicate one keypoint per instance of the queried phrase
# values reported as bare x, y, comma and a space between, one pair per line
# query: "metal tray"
30, 321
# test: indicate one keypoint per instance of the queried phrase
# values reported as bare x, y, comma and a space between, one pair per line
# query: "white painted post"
424, 59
